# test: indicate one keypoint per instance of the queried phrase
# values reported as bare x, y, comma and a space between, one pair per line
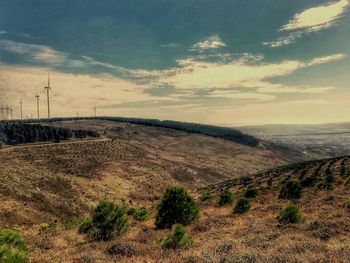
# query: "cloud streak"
193, 74
212, 42
309, 21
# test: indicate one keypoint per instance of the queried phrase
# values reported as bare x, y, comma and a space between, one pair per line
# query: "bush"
206, 197
308, 181
86, 226
175, 207
178, 238
291, 190
347, 204
12, 247
139, 214
131, 211
242, 206
121, 249
107, 221
324, 185
226, 197
251, 193
47, 228
290, 214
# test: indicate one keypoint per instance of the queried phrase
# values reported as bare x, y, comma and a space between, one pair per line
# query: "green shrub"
73, 223
86, 226
324, 185
47, 228
347, 204
226, 197
205, 196
291, 190
308, 181
290, 214
141, 214
242, 206
107, 221
178, 238
176, 206
131, 211
12, 247
251, 193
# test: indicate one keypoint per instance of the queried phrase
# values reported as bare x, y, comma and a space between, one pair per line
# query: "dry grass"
47, 183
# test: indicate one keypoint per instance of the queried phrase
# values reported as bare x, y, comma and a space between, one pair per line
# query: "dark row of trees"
16, 133
210, 130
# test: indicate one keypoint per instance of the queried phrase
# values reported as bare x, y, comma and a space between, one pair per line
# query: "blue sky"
221, 62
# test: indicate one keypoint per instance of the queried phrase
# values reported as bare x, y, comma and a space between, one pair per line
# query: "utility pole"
21, 103
37, 105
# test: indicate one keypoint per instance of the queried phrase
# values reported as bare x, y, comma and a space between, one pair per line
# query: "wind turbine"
21, 106
48, 89
94, 108
37, 104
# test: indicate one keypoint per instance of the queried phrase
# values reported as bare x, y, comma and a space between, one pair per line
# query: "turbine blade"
52, 92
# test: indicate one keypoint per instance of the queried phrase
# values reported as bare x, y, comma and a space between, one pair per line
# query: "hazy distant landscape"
326, 140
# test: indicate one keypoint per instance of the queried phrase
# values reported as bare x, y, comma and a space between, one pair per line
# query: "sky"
222, 62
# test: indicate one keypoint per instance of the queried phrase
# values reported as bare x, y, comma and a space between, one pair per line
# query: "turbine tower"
21, 105
94, 108
37, 105
48, 89
48, 96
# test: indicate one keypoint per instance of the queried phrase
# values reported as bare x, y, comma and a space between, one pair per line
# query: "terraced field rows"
320, 169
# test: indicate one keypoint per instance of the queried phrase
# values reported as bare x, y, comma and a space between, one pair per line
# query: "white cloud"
212, 42
285, 40
309, 21
317, 18
3, 32
45, 55
34, 53
193, 74
243, 96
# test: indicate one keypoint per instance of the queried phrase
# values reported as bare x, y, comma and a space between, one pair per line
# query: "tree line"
225, 133
17, 133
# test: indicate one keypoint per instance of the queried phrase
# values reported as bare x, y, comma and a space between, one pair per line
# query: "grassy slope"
41, 184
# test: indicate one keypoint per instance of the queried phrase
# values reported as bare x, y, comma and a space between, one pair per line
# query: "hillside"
55, 183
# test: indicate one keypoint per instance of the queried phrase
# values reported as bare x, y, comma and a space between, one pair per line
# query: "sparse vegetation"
327, 184
47, 227
242, 206
177, 239
139, 214
12, 247
308, 181
290, 214
291, 190
251, 193
226, 197
121, 249
176, 206
206, 196
107, 222
347, 204
111, 165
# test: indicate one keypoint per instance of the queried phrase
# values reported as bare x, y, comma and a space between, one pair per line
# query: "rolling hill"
46, 187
